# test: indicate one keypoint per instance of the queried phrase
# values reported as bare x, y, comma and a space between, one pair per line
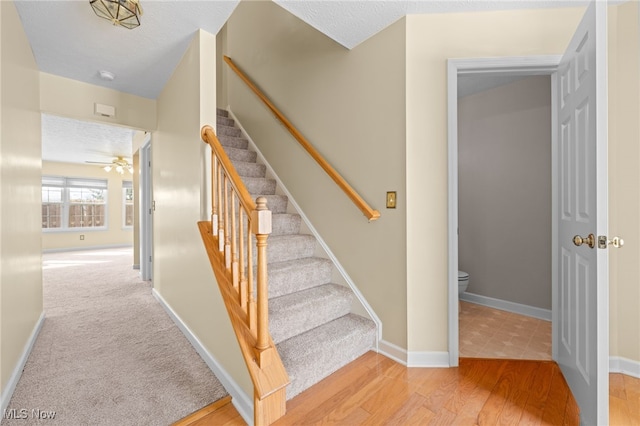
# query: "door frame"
514, 65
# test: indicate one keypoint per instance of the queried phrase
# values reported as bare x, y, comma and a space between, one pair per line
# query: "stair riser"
250, 169
236, 154
284, 250
302, 311
275, 203
297, 276
229, 131
225, 121
284, 224
281, 224
260, 186
233, 142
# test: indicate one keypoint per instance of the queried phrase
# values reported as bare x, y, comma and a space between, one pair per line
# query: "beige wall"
431, 40
350, 106
624, 179
504, 191
115, 234
182, 274
20, 164
75, 99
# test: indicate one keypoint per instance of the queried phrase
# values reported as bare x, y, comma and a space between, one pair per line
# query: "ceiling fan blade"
99, 162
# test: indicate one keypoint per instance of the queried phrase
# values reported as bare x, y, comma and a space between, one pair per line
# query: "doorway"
504, 220
494, 67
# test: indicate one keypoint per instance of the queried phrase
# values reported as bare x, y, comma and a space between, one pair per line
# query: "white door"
582, 298
146, 212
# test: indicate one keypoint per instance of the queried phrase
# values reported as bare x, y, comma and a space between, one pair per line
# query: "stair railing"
229, 245
367, 210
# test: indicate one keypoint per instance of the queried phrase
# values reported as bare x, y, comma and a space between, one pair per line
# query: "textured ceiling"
73, 141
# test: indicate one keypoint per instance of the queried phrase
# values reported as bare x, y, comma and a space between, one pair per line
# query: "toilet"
463, 282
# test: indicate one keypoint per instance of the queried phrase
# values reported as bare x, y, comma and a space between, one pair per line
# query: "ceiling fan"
118, 163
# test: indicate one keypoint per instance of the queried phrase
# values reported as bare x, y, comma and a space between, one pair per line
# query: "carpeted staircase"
310, 318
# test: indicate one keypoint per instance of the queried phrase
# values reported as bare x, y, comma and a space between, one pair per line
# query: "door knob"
590, 240
604, 242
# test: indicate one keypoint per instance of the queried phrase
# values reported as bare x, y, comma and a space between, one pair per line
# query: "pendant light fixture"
125, 13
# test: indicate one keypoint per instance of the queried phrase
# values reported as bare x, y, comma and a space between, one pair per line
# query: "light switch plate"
391, 200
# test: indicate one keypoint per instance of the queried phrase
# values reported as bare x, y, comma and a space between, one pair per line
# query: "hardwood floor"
221, 412
376, 390
624, 400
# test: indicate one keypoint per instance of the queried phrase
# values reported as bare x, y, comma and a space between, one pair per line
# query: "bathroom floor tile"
491, 333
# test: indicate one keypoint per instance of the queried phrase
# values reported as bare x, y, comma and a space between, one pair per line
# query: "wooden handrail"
231, 253
209, 137
369, 212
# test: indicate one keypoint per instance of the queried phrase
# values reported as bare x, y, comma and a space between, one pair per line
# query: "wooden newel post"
261, 227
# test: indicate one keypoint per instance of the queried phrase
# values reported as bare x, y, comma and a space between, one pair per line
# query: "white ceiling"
350, 22
69, 40
73, 141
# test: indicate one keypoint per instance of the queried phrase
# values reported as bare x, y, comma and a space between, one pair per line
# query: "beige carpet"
107, 353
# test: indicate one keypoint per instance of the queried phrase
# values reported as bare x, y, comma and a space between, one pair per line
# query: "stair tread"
311, 356
293, 237
298, 312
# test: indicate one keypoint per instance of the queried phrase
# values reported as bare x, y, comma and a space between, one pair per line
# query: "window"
52, 202
127, 203
73, 203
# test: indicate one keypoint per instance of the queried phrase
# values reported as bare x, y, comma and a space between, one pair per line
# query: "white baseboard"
626, 366
17, 371
503, 305
392, 351
428, 359
413, 358
240, 399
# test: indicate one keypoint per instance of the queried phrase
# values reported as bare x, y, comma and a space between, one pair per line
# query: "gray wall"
504, 159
